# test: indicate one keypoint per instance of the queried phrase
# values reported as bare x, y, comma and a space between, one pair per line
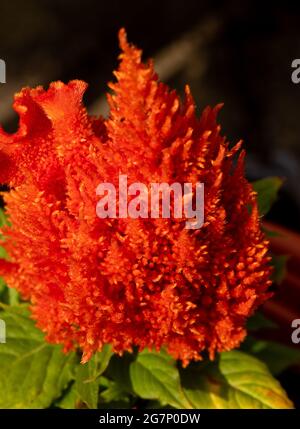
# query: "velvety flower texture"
129, 282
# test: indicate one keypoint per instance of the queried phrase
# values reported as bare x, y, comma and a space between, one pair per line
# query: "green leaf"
155, 376
3, 221
3, 254
259, 321
270, 233
279, 264
3, 218
69, 400
119, 371
87, 378
267, 190
278, 357
2, 288
234, 380
113, 395
112, 391
33, 373
6, 295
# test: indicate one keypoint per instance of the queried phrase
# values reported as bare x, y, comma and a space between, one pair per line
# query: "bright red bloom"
129, 282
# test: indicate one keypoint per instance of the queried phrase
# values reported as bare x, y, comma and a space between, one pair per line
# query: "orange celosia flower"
129, 282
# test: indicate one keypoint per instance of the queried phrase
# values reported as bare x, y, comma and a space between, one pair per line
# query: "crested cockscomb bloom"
129, 282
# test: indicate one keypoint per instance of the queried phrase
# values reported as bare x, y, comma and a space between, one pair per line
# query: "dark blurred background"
237, 52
